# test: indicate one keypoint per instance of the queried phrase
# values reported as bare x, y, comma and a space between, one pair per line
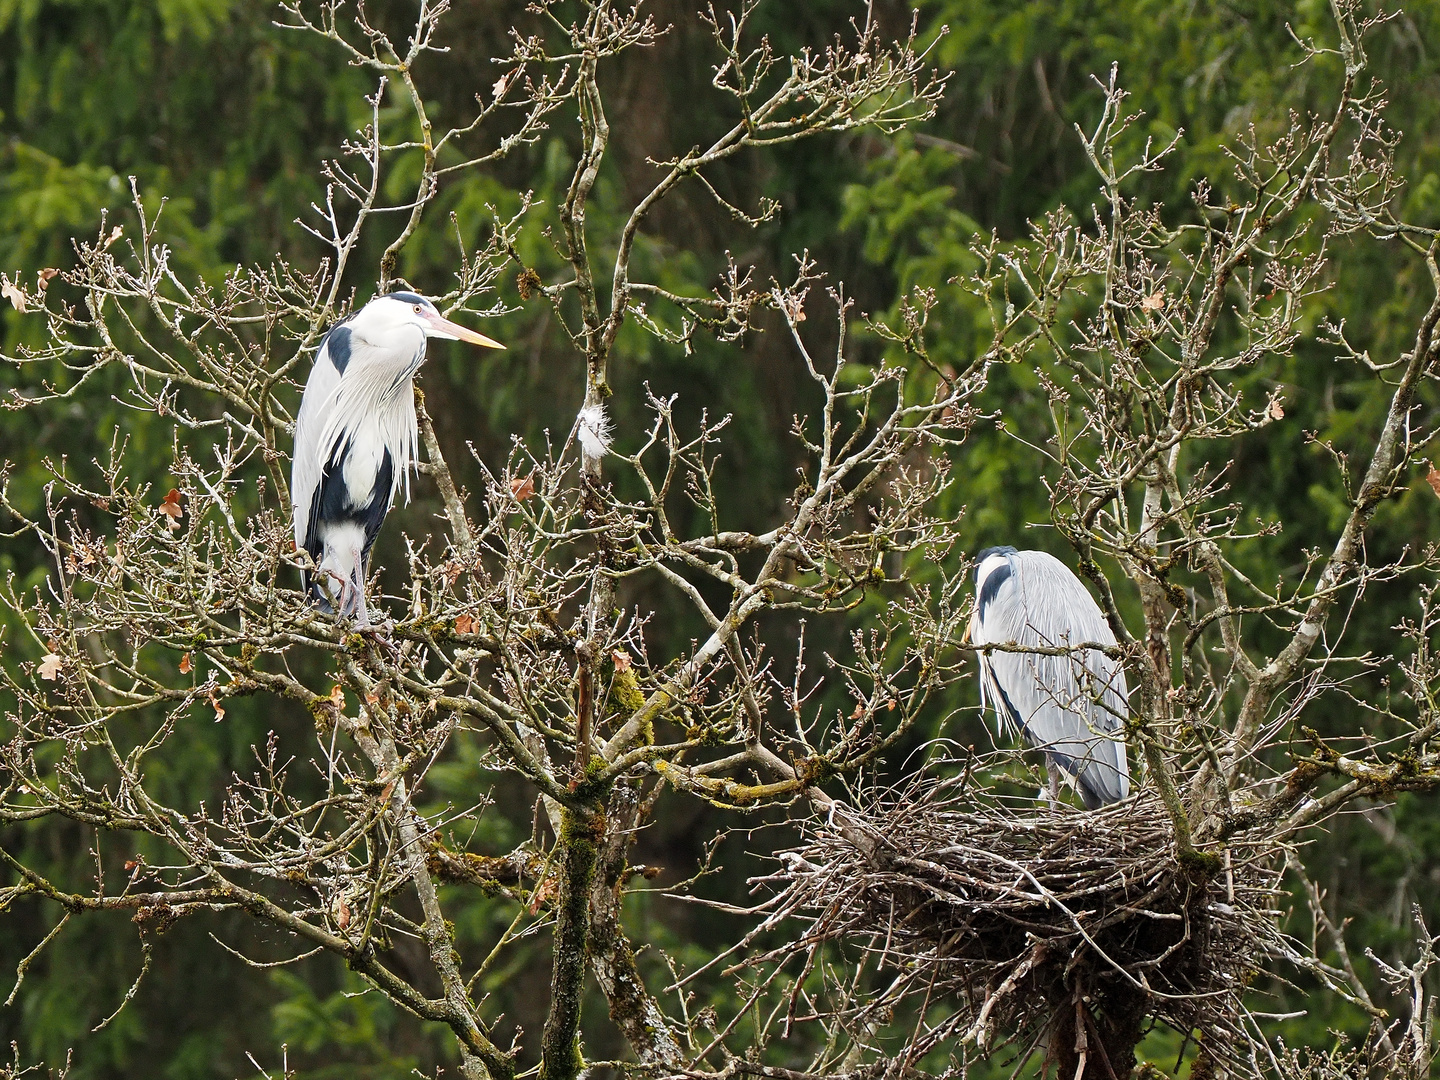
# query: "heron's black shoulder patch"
994, 580
409, 298
337, 345
998, 577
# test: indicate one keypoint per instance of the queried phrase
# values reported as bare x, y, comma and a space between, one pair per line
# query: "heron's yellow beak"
969, 631
443, 327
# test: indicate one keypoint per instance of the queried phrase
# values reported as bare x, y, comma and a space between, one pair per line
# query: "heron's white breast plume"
592, 428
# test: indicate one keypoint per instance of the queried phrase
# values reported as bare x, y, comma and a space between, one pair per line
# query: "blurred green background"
208, 104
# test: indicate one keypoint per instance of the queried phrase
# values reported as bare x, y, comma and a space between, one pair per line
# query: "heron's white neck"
375, 408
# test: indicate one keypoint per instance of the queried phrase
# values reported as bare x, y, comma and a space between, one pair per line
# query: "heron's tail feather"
315, 586
1098, 780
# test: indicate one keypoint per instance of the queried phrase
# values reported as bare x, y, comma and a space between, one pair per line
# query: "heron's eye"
418, 309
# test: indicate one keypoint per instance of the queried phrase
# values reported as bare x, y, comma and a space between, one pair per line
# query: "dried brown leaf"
13, 293
1433, 478
522, 488
49, 667
543, 892
1154, 302
171, 508
622, 660
465, 624
185, 665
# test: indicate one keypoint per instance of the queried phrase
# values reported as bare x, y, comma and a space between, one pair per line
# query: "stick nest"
1035, 923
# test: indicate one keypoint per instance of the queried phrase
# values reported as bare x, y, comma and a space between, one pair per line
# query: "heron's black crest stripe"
985, 553
409, 298
337, 345
998, 577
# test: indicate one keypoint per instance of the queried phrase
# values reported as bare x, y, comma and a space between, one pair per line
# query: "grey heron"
1069, 705
356, 438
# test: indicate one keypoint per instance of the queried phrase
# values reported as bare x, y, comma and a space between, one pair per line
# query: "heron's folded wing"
309, 461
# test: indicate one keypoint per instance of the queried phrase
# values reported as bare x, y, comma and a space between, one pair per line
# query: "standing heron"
1071, 705
356, 438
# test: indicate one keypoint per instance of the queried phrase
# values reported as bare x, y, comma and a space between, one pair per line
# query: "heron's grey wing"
308, 463
1007, 679
1069, 705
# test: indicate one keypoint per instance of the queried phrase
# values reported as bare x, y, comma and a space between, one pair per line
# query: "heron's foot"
380, 634
363, 624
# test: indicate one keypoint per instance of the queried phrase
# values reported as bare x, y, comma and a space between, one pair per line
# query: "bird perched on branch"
356, 438
1070, 703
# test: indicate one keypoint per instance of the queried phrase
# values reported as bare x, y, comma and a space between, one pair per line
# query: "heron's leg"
1055, 776
363, 623
351, 601
362, 613
362, 616
344, 594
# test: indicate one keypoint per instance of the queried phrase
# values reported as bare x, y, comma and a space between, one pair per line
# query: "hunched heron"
1070, 704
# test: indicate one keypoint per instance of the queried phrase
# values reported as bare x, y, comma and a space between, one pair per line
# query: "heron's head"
402, 318
987, 563
989, 560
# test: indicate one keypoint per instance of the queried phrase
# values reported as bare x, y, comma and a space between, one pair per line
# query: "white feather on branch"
592, 427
